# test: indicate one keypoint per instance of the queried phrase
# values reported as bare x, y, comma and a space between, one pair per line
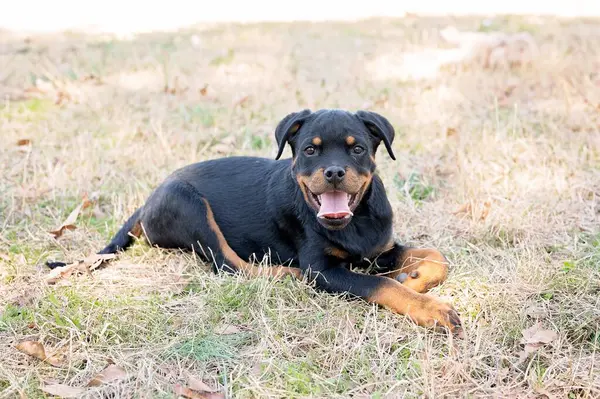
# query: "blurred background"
138, 16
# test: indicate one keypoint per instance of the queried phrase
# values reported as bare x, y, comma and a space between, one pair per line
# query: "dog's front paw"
435, 313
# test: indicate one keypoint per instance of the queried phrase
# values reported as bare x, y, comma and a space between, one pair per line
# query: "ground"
499, 168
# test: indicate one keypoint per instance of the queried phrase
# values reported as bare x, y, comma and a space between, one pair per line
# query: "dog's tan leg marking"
421, 269
234, 261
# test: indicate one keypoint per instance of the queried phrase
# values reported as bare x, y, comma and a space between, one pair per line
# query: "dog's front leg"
418, 268
423, 309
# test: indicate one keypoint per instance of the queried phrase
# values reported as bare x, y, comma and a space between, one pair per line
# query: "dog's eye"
310, 150
358, 150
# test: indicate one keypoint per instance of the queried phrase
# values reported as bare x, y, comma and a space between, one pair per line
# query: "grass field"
499, 169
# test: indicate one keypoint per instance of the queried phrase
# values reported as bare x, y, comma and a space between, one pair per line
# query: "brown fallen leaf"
451, 131
64, 272
186, 392
110, 374
199, 385
87, 202
36, 349
82, 266
204, 89
534, 338
228, 329
63, 391
69, 223
23, 142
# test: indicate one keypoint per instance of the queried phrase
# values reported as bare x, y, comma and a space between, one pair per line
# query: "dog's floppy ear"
287, 127
380, 128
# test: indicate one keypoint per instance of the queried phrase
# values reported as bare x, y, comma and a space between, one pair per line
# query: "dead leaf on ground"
534, 338
228, 329
82, 266
63, 391
23, 142
199, 385
204, 89
88, 201
451, 131
186, 392
4, 256
69, 223
36, 349
110, 374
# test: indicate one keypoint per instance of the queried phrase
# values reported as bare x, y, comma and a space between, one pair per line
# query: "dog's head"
334, 158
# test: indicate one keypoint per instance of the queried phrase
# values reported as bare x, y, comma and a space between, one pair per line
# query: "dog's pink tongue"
334, 205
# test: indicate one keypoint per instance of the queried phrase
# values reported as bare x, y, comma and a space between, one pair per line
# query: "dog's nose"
334, 174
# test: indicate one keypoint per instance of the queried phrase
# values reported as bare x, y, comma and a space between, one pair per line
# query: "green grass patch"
415, 187
31, 110
198, 115
96, 319
209, 348
15, 317
233, 295
224, 59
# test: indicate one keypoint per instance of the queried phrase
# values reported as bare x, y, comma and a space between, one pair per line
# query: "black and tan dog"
318, 212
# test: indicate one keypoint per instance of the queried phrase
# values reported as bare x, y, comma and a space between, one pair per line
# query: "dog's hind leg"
192, 225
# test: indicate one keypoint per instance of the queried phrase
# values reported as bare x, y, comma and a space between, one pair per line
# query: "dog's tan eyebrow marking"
317, 141
350, 140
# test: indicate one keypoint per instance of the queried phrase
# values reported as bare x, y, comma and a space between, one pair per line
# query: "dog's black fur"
233, 209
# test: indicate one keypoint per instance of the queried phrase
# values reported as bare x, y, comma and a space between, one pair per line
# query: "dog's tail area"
121, 241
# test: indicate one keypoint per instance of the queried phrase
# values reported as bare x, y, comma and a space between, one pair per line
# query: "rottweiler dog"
313, 215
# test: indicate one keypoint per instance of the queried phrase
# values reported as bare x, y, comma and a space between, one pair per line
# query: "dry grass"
525, 140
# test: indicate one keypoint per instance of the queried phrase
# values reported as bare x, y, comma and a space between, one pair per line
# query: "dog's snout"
334, 174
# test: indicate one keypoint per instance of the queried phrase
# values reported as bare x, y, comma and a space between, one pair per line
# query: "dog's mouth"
334, 205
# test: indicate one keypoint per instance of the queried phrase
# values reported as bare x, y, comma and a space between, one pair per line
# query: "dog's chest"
363, 240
